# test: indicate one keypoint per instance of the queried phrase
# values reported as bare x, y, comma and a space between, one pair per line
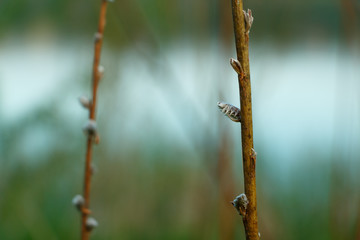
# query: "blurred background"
169, 162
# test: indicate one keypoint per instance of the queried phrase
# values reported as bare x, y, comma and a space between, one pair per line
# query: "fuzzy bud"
240, 203
230, 111
101, 71
236, 65
78, 202
253, 153
248, 20
90, 128
85, 102
98, 36
91, 223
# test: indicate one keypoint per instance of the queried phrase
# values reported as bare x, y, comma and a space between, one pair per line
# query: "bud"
101, 71
90, 128
230, 111
91, 223
97, 36
253, 154
248, 20
240, 203
85, 102
236, 66
78, 202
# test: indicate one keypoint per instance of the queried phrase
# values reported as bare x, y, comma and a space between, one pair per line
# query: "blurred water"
305, 97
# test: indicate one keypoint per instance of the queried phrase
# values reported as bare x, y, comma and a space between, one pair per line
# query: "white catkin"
78, 201
230, 111
85, 102
91, 223
90, 128
101, 71
240, 203
97, 36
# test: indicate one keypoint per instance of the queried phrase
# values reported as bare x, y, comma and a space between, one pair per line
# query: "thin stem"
250, 220
87, 181
97, 54
95, 82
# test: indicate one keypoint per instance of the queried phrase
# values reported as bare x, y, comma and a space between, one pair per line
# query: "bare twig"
88, 223
242, 23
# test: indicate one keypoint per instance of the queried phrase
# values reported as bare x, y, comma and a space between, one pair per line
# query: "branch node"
85, 211
230, 111
240, 204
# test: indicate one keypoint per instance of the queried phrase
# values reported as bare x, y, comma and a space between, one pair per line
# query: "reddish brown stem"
97, 54
95, 81
250, 220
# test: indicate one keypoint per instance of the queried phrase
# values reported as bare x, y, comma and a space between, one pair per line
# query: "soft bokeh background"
169, 163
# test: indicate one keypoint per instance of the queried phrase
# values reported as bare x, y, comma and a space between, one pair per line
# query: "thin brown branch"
85, 229
241, 30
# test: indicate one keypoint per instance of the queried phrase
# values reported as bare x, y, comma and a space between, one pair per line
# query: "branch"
83, 202
242, 24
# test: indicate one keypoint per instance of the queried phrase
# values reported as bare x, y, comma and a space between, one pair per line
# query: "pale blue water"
305, 97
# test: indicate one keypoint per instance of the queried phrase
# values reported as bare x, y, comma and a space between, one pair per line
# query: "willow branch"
86, 222
241, 30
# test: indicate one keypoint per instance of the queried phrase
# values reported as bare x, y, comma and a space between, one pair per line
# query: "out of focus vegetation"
168, 162
161, 20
